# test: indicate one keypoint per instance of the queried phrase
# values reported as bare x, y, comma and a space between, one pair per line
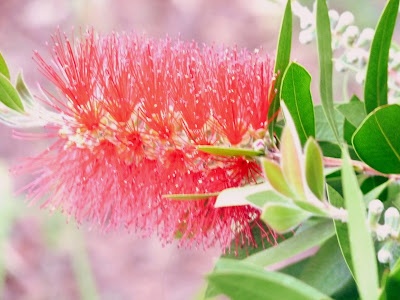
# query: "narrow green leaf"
314, 168
225, 151
260, 199
262, 242
376, 88
295, 92
353, 111
375, 192
282, 217
323, 131
188, 197
342, 232
240, 253
240, 281
361, 246
324, 42
391, 289
23, 90
348, 131
281, 62
291, 157
3, 67
310, 237
237, 196
377, 141
326, 270
9, 96
275, 177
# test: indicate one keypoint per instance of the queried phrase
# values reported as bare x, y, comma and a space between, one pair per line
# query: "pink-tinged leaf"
314, 168
275, 177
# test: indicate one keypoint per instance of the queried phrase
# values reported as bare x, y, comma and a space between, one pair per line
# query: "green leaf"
275, 177
188, 197
353, 111
9, 96
23, 90
328, 264
330, 149
282, 217
292, 158
260, 199
376, 87
323, 131
341, 229
295, 92
241, 281
314, 168
262, 241
391, 289
348, 131
311, 208
3, 67
376, 192
361, 246
281, 62
324, 42
225, 151
377, 141
310, 237
237, 196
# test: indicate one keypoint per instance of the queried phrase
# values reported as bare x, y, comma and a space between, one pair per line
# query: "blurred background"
46, 256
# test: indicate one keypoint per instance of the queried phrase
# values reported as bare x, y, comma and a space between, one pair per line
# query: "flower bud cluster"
387, 233
351, 45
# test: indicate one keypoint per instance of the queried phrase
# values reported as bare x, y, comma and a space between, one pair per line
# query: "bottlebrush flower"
131, 111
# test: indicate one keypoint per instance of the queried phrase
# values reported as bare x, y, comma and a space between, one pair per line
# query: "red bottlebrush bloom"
131, 111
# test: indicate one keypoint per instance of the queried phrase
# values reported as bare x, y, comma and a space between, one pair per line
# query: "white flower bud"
345, 19
382, 232
375, 209
340, 66
333, 17
384, 256
306, 36
360, 77
365, 37
392, 218
350, 34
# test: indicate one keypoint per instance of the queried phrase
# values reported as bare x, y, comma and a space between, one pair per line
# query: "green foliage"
283, 217
362, 251
328, 272
377, 141
295, 92
314, 168
353, 111
323, 130
376, 86
260, 199
311, 235
188, 197
342, 232
237, 196
9, 95
225, 151
281, 61
242, 281
391, 290
274, 174
3, 67
324, 41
